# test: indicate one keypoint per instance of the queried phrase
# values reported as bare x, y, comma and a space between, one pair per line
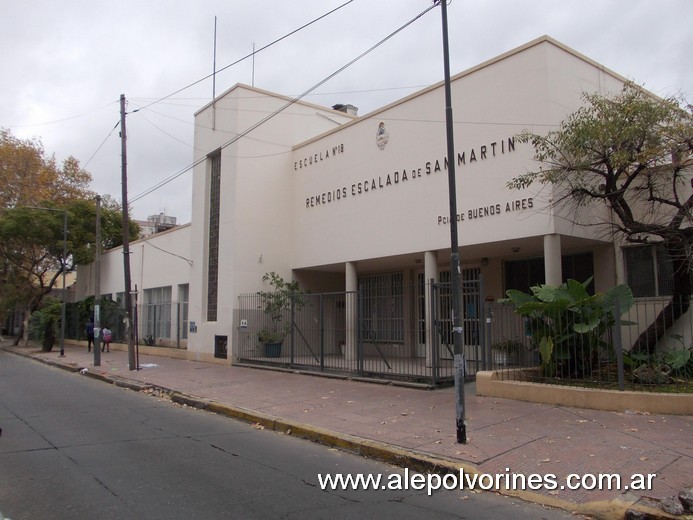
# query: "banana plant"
567, 324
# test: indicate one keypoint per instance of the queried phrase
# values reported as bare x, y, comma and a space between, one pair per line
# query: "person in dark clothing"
89, 329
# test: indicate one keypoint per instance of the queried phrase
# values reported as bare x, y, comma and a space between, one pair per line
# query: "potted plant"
507, 352
276, 304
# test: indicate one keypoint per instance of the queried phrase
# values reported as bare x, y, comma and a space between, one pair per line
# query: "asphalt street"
72, 447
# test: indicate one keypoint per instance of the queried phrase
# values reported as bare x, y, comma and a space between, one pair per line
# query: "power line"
84, 167
285, 106
248, 55
62, 120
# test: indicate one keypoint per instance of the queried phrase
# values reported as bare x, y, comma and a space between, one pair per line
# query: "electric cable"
84, 167
283, 107
247, 55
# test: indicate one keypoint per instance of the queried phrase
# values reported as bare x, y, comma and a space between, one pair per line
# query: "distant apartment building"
156, 224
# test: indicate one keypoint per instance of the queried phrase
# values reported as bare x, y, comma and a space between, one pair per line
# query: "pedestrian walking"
89, 329
107, 337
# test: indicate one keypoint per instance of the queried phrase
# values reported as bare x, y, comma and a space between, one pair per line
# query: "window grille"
382, 297
649, 270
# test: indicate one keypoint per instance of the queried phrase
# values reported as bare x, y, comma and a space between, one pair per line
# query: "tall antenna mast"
252, 83
214, 78
214, 62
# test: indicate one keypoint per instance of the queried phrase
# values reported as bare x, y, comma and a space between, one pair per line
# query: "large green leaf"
623, 294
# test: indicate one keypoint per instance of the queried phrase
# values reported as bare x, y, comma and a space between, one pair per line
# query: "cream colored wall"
255, 224
160, 260
491, 104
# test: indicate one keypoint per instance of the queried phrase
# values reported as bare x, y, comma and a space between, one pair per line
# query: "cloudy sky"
65, 64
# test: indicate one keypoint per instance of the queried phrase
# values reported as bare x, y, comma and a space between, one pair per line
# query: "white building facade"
335, 201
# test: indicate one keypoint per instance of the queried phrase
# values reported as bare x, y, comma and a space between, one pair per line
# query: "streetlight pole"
455, 274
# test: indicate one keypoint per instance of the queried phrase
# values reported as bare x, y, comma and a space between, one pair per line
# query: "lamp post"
63, 263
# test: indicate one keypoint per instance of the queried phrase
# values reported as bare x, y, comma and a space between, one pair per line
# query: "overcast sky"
64, 65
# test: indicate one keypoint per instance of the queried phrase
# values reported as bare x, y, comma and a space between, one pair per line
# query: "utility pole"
455, 273
62, 308
97, 285
126, 235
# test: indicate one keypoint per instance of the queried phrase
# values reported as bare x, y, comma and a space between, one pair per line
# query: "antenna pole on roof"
214, 62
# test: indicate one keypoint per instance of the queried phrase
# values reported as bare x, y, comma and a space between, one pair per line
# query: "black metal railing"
620, 358
377, 332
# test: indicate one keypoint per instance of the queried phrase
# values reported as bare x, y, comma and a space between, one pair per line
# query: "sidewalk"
416, 428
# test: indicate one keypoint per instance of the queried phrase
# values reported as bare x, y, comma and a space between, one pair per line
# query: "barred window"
649, 270
156, 312
183, 296
383, 307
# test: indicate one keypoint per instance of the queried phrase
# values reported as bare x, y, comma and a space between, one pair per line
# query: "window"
213, 248
183, 292
523, 274
649, 270
156, 312
382, 299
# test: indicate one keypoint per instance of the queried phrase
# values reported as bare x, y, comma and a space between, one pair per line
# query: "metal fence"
612, 360
164, 324
377, 332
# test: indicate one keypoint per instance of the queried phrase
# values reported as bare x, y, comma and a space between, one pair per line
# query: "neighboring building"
160, 271
156, 224
340, 203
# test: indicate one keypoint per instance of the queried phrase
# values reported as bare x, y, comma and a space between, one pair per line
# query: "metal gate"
472, 310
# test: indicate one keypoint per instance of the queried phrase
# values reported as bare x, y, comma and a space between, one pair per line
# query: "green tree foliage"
31, 244
36, 196
633, 153
276, 305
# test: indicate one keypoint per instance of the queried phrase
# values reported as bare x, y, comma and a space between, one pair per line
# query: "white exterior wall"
255, 223
160, 260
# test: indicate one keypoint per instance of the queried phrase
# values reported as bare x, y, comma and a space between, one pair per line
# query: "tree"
632, 152
31, 245
28, 177
31, 239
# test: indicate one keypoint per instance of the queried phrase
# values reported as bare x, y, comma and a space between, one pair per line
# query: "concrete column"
351, 285
430, 272
552, 260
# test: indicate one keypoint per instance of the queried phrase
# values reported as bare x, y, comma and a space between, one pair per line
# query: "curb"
615, 509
